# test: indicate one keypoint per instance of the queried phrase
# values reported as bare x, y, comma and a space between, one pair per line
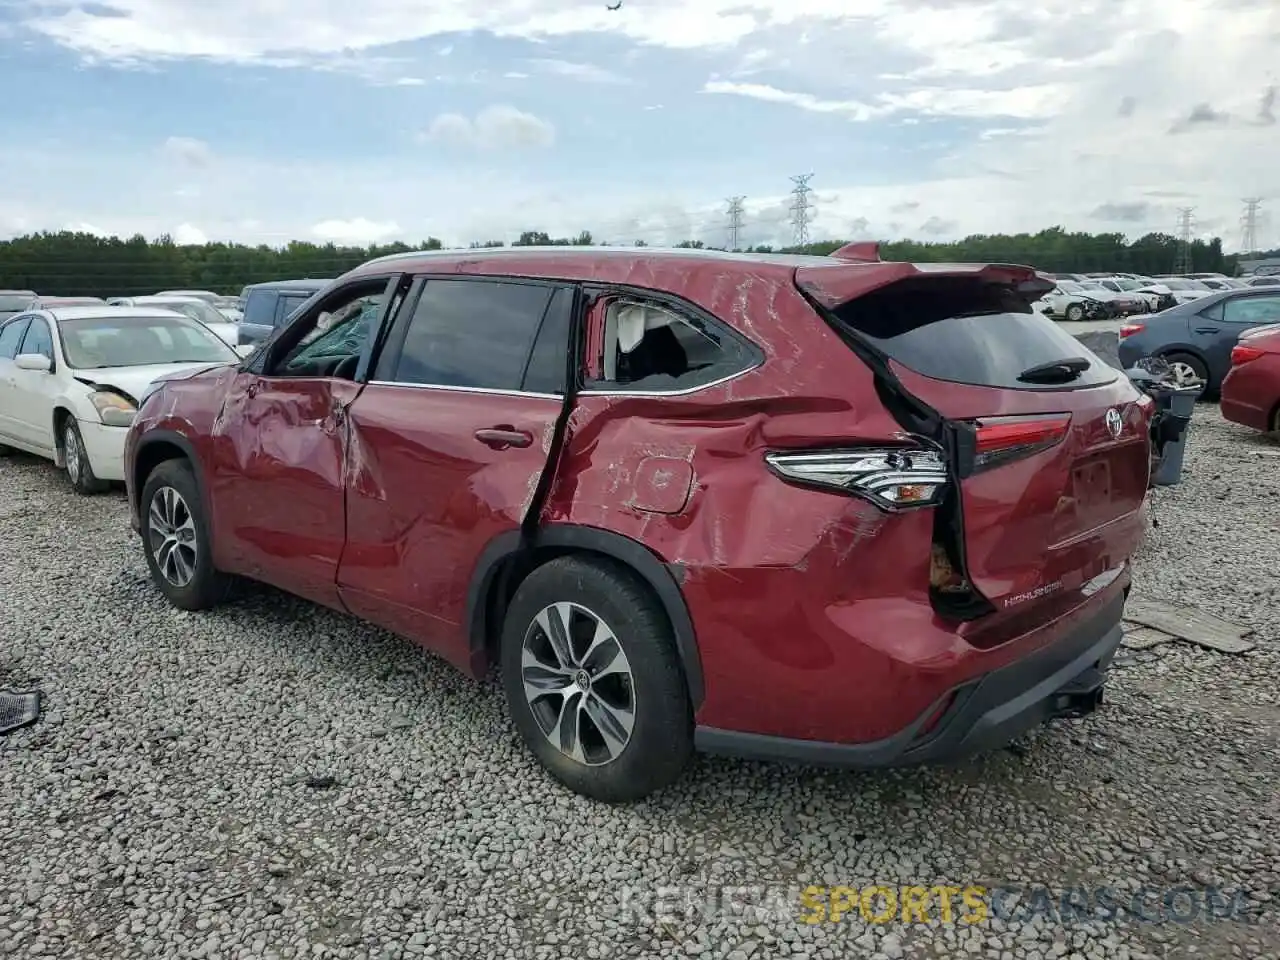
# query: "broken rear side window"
650, 346
966, 331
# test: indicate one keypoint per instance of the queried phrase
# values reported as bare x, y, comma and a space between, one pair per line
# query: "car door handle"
1208, 329
504, 436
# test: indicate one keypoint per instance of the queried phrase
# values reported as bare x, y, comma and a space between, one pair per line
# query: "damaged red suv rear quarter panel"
771, 572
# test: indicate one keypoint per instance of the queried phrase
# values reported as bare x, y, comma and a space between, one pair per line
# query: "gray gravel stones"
272, 780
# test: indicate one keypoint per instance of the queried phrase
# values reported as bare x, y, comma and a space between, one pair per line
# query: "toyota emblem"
1114, 424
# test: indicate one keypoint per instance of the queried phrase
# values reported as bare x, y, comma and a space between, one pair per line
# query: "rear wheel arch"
505, 563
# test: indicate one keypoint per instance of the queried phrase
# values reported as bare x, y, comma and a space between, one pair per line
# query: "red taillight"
1001, 439
1242, 354
1129, 329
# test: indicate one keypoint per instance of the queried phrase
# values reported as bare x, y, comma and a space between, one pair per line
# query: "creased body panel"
275, 476
425, 495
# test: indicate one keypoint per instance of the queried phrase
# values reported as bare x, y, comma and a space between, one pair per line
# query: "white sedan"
71, 379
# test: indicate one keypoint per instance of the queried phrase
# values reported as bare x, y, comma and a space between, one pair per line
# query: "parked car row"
539, 459
1103, 297
1197, 338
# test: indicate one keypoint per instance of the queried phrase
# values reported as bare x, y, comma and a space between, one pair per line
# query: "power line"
1249, 225
1185, 222
801, 207
735, 221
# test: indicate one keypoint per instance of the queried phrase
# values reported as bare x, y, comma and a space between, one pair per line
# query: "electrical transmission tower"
735, 221
801, 207
1185, 221
1249, 225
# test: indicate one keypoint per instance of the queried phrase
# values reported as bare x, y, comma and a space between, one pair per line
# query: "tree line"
84, 264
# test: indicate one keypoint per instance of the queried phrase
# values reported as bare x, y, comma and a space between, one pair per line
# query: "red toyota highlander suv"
827, 509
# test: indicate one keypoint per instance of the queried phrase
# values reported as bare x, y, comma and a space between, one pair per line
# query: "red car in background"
825, 509
1251, 390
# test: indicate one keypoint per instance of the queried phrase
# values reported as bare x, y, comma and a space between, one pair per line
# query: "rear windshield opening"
965, 330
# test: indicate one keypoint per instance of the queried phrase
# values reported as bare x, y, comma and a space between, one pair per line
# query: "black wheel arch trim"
663, 578
173, 438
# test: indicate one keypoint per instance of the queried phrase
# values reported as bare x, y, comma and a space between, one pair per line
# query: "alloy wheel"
578, 683
71, 452
172, 536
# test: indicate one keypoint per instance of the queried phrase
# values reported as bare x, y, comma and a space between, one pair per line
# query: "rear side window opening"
967, 331
650, 346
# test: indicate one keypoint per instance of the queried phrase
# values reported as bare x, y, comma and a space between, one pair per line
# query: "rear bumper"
987, 712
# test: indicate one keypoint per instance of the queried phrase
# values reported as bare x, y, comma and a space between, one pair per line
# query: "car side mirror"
244, 349
33, 361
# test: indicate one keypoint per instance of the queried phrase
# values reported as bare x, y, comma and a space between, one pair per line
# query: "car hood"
135, 380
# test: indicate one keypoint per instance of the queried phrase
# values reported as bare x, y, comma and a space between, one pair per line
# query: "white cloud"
1021, 103
588, 72
357, 231
188, 151
186, 234
496, 127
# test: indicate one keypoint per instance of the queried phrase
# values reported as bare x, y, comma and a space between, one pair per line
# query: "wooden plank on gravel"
1190, 624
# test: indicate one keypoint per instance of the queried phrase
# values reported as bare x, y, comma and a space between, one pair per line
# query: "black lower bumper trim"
1064, 679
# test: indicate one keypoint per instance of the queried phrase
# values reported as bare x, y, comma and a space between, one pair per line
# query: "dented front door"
277, 481
435, 475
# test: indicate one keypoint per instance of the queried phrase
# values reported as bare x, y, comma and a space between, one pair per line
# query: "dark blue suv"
268, 305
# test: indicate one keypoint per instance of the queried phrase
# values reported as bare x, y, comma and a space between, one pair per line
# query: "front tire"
76, 461
593, 682
176, 538
1075, 313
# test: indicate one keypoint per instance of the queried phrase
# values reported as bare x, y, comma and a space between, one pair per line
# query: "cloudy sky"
271, 120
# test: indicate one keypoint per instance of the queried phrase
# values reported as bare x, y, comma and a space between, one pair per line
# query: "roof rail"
860, 251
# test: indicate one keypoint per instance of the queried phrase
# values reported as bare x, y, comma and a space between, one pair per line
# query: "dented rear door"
446, 447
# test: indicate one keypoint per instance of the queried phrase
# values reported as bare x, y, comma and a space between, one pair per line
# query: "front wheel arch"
505, 563
157, 446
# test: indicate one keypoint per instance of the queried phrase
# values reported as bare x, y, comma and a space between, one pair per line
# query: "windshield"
1129, 284
14, 302
1092, 286
195, 309
93, 342
1069, 287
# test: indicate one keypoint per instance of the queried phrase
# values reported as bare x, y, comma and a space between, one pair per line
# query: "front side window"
328, 338
11, 337
471, 333
38, 339
260, 308
96, 342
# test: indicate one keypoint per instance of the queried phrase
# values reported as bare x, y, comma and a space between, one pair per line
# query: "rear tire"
176, 539
76, 461
1184, 363
590, 628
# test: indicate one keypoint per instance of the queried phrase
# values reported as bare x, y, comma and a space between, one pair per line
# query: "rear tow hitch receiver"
1080, 697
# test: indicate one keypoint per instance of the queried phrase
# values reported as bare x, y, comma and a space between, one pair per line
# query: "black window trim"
389, 356
750, 356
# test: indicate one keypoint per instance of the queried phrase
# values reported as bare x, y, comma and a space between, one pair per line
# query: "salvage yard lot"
272, 779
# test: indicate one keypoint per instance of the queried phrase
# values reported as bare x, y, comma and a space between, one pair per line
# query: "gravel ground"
274, 780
